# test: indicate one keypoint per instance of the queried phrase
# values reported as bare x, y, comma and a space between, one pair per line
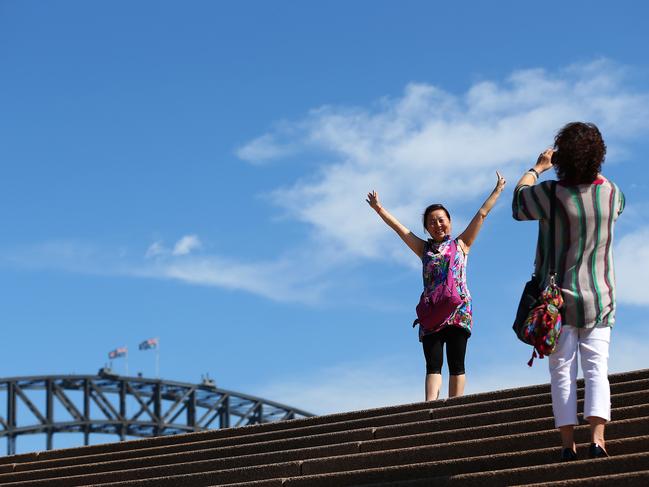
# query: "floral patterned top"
435, 266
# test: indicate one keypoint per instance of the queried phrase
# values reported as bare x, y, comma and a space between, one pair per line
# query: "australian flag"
118, 352
148, 344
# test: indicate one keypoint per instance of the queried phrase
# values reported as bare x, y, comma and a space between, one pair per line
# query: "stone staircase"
493, 439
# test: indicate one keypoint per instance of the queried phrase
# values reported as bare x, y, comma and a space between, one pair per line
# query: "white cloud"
68, 255
432, 145
350, 386
155, 249
293, 279
186, 244
279, 280
427, 145
263, 149
389, 381
632, 267
629, 351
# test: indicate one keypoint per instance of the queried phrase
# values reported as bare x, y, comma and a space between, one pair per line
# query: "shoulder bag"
435, 308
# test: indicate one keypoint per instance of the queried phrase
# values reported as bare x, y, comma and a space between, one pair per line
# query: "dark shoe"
568, 455
596, 451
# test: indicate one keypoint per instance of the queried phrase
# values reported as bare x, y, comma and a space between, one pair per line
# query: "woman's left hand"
500, 184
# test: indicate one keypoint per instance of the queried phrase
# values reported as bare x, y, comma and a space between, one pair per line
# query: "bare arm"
411, 240
543, 163
469, 235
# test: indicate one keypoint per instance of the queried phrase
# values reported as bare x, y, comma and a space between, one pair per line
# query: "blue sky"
196, 171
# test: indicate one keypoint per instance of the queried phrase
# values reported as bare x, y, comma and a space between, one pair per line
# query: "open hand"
373, 200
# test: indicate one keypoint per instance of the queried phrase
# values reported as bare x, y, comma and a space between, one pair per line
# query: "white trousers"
592, 344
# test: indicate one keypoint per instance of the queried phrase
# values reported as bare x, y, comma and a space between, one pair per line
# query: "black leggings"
455, 339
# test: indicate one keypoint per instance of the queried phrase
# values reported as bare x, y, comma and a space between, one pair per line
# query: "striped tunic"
584, 226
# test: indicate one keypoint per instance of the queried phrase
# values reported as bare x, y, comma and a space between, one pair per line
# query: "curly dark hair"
579, 153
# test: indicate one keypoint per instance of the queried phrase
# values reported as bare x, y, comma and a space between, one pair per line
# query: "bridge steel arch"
125, 406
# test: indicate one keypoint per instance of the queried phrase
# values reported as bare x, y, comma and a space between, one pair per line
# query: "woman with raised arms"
439, 255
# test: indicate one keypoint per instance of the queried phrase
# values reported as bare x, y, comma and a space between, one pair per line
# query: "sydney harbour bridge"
127, 407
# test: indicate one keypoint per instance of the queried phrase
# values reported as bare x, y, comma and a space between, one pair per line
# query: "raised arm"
530, 201
412, 241
469, 235
543, 163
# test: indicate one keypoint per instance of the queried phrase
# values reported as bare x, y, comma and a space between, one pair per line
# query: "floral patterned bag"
542, 326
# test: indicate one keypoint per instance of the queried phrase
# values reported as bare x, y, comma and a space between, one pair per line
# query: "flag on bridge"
148, 344
118, 352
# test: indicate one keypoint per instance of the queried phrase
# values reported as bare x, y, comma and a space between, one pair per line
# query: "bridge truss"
125, 406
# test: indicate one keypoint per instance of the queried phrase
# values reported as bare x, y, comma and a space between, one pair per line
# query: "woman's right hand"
373, 200
544, 162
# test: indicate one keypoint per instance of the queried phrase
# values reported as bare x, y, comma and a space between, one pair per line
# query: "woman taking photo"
587, 205
440, 255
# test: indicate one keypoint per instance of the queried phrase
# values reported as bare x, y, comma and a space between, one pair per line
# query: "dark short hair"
580, 152
430, 208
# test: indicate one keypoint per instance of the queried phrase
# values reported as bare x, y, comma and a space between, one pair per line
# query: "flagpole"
157, 359
126, 361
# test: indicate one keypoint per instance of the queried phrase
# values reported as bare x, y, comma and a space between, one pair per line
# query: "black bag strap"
553, 210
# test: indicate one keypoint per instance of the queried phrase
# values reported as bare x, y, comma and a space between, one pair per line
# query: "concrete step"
489, 470
434, 453
636, 426
582, 450
341, 418
208, 448
412, 431
327, 441
469, 461
206, 472
427, 474
400, 424
560, 471
223, 462
279, 450
501, 435
631, 479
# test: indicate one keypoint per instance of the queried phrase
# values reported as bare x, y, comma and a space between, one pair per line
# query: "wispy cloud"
629, 351
427, 143
67, 255
263, 149
632, 267
279, 280
186, 244
423, 146
155, 249
291, 279
350, 386
389, 381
